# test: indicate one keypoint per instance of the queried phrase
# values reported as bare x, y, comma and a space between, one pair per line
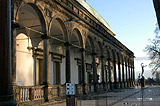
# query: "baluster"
20, 94
35, 93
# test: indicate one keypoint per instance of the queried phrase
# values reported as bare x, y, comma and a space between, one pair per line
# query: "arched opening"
98, 61
106, 57
57, 63
118, 68
89, 59
75, 56
114, 65
32, 24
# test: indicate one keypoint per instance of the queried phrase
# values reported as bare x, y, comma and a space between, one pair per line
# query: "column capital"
67, 44
93, 53
109, 59
82, 49
44, 36
102, 56
114, 61
15, 25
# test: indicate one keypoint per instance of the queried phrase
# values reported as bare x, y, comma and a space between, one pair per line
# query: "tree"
153, 49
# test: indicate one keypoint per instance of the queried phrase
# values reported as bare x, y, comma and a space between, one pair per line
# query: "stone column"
123, 74
45, 65
131, 76
134, 75
102, 68
126, 74
68, 70
115, 74
119, 69
6, 96
46, 61
14, 58
83, 69
94, 72
109, 70
34, 69
129, 81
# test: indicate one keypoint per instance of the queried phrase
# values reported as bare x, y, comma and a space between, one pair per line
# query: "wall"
24, 62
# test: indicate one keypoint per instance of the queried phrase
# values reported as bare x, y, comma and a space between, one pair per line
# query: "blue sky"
133, 22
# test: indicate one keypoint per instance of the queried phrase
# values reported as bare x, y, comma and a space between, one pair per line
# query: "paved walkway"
110, 98
146, 97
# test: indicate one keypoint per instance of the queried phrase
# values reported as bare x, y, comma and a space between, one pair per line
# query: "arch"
101, 48
113, 55
78, 35
32, 22
39, 14
118, 57
89, 41
76, 57
61, 25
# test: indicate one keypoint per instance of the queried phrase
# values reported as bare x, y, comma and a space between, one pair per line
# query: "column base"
110, 86
115, 85
7, 101
121, 85
84, 88
95, 87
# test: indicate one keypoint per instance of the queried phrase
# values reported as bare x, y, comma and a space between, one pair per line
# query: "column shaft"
109, 70
94, 72
115, 74
14, 58
68, 70
129, 75
126, 74
83, 70
46, 61
119, 69
102, 68
35, 70
123, 74
46, 67
6, 97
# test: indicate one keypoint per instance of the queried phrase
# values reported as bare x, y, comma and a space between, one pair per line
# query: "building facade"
157, 9
55, 42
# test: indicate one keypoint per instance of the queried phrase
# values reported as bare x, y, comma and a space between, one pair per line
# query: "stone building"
157, 9
59, 41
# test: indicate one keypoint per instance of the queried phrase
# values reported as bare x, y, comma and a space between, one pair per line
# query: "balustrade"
31, 93
28, 93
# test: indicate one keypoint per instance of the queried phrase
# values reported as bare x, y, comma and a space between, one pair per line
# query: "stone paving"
109, 98
148, 96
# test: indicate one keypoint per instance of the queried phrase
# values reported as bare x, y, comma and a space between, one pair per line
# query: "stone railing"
57, 91
23, 94
78, 89
90, 87
28, 93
